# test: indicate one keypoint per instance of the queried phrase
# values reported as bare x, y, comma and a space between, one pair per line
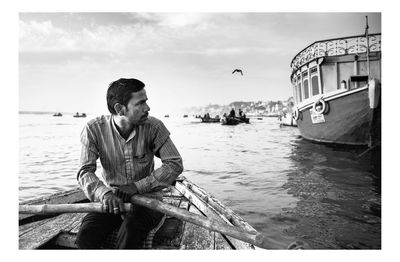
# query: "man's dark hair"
120, 91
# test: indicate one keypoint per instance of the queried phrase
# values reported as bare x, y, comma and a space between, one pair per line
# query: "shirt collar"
131, 135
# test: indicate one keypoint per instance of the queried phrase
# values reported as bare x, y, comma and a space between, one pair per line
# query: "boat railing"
335, 47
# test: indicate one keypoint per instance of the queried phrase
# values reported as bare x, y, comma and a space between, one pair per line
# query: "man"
126, 142
232, 113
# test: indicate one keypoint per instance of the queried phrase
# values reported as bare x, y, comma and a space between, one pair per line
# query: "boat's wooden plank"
221, 242
66, 197
77, 222
30, 226
184, 204
45, 232
75, 229
195, 237
175, 192
172, 201
209, 211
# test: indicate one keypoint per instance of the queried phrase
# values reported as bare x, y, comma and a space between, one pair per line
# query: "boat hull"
210, 120
347, 121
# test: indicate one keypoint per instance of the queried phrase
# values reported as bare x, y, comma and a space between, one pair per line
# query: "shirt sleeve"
171, 167
91, 185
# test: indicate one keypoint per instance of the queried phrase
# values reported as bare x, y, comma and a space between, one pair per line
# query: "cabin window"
299, 91
357, 81
314, 85
306, 93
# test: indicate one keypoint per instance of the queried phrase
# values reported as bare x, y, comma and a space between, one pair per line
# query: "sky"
67, 60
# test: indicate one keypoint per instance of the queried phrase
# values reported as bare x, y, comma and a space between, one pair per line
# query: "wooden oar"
66, 208
257, 239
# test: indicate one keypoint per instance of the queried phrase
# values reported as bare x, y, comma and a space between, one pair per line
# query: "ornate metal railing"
337, 46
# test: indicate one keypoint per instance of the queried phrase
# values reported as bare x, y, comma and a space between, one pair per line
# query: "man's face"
137, 110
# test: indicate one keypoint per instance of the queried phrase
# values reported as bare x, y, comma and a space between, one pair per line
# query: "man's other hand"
112, 204
126, 191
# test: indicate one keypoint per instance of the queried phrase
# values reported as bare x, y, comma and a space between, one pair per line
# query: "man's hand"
112, 203
126, 191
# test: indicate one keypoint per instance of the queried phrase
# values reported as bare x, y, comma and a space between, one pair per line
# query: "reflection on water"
287, 188
339, 193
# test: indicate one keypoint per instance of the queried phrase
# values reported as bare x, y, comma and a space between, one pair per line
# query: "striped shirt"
126, 161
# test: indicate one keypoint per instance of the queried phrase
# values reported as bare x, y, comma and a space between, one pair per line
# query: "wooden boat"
79, 115
59, 231
210, 119
232, 121
57, 114
336, 85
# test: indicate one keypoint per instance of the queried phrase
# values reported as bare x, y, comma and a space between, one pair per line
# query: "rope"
148, 243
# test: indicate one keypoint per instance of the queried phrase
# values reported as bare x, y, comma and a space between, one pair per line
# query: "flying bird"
237, 70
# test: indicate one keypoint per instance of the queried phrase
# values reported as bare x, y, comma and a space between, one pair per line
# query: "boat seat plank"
45, 232
195, 237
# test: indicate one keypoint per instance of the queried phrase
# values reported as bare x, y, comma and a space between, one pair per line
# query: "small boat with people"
194, 219
232, 121
208, 119
337, 89
79, 115
57, 114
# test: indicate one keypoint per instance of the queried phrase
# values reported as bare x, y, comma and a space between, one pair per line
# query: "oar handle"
66, 208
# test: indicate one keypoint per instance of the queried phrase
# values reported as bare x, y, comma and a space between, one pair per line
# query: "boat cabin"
334, 66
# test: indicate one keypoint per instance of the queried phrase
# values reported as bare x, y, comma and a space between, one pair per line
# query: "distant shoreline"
23, 112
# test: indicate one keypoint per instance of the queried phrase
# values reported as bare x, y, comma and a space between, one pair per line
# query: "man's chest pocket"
142, 158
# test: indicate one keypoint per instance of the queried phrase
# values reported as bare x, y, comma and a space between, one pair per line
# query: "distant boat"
210, 119
79, 115
336, 85
287, 120
184, 116
230, 121
57, 114
166, 116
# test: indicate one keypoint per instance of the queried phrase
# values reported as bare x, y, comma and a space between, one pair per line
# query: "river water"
285, 187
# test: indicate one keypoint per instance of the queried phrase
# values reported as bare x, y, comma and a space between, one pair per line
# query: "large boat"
337, 89
58, 231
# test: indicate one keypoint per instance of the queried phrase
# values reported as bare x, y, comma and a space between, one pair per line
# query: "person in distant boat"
232, 113
240, 112
126, 142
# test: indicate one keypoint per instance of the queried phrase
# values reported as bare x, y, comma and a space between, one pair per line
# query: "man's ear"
119, 109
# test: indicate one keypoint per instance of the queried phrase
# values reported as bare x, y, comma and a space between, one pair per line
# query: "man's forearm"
162, 176
92, 186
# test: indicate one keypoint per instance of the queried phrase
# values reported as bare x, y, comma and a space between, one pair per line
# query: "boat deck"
59, 231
